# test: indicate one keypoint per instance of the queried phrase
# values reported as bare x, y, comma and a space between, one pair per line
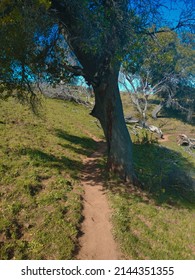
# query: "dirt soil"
96, 241
165, 138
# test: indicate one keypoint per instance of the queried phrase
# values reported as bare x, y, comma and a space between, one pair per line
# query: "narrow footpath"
96, 241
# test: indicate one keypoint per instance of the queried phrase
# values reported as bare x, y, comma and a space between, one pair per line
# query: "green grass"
40, 164
157, 222
146, 230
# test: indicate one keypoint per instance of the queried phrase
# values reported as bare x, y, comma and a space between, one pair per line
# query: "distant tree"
100, 33
166, 68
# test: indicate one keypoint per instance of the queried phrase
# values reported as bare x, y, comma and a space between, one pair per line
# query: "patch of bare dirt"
165, 138
96, 241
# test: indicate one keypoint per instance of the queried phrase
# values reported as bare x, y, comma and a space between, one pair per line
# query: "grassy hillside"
159, 221
40, 193
40, 163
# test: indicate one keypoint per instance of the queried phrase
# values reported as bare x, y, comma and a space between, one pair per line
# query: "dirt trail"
96, 242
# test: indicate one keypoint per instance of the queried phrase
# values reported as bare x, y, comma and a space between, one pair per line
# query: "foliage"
35, 47
165, 66
144, 136
29, 54
164, 57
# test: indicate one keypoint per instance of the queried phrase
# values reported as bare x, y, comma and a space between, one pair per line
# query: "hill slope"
41, 160
40, 164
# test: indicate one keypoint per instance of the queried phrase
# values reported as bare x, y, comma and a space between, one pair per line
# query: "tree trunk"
108, 110
157, 109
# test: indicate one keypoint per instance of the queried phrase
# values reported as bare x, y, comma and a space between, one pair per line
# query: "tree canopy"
31, 48
32, 43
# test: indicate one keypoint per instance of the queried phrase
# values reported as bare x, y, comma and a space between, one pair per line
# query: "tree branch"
76, 70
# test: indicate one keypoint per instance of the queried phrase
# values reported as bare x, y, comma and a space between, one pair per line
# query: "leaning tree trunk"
108, 110
80, 26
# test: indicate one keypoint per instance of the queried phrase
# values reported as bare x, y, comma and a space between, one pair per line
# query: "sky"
173, 9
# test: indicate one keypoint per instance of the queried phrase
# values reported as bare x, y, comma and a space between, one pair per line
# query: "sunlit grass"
40, 165
146, 230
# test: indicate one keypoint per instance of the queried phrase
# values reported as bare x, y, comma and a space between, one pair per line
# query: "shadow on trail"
92, 172
40, 158
81, 145
91, 167
166, 175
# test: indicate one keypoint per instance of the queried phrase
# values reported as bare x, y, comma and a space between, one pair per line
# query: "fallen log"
155, 129
184, 140
71, 99
131, 120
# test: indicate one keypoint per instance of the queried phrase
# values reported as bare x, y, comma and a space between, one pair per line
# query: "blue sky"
174, 8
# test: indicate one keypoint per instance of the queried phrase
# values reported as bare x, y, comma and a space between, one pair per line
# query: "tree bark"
108, 110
